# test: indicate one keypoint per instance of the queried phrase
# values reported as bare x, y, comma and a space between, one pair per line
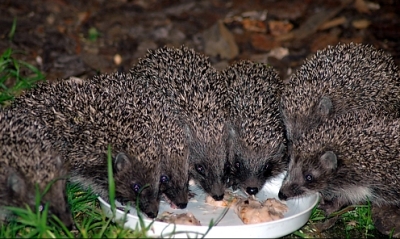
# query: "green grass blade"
13, 28
111, 183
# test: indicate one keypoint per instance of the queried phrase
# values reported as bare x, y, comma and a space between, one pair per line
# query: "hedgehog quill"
337, 80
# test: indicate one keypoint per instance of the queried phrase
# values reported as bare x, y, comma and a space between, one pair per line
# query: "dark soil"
84, 38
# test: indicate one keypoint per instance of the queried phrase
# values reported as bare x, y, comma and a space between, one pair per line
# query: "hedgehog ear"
121, 161
16, 183
329, 160
325, 106
281, 152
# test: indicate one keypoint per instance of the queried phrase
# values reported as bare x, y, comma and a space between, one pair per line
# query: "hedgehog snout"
252, 190
282, 196
181, 205
218, 197
150, 208
289, 191
152, 214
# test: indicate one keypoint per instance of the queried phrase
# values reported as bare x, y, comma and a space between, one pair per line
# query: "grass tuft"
16, 76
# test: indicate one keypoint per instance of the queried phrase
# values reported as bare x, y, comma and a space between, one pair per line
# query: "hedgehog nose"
151, 214
181, 205
218, 197
282, 196
252, 191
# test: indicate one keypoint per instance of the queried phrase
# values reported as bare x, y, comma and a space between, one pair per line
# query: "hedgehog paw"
387, 219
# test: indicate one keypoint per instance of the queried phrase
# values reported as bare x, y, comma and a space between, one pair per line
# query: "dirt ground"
83, 38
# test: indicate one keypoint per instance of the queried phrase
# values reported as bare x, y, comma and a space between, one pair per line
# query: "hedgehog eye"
227, 168
164, 179
237, 165
267, 169
135, 187
308, 177
267, 166
200, 169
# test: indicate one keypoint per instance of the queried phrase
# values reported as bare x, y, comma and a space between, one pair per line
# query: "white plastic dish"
230, 226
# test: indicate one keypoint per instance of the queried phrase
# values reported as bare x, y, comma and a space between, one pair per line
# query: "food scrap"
229, 200
183, 218
252, 211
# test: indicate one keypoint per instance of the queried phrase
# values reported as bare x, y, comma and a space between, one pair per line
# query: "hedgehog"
197, 96
337, 80
175, 161
257, 138
28, 159
110, 109
347, 160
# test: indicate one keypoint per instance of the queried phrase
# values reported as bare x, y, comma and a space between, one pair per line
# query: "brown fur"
348, 160
257, 129
27, 159
196, 94
337, 80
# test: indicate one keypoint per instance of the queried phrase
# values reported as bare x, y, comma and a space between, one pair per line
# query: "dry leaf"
254, 25
361, 24
278, 28
333, 23
361, 6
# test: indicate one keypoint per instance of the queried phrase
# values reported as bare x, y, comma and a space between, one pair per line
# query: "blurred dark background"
83, 38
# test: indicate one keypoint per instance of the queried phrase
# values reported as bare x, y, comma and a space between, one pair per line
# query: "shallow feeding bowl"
230, 226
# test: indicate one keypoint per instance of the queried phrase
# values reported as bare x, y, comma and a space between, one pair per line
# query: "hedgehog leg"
387, 219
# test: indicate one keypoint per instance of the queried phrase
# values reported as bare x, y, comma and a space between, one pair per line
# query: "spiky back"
94, 112
25, 146
352, 76
191, 84
89, 115
254, 91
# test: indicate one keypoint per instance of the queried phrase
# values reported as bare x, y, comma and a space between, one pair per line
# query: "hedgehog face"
252, 168
212, 180
210, 169
307, 175
174, 180
208, 160
175, 190
138, 180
